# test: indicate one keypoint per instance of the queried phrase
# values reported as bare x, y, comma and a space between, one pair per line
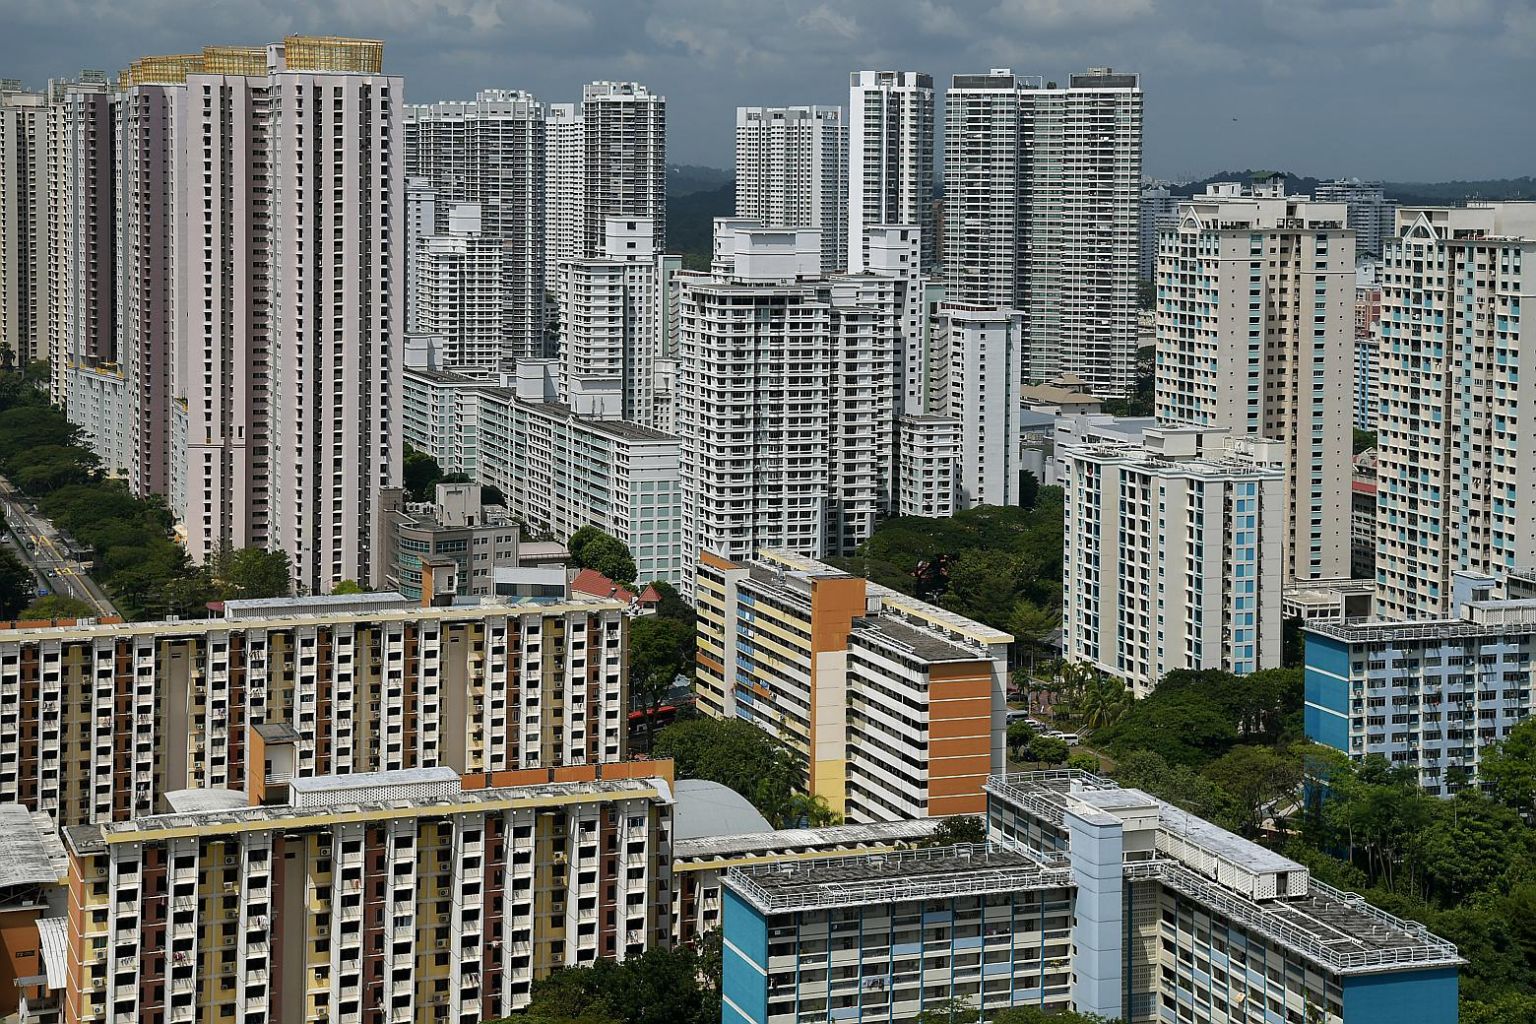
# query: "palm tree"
1102, 702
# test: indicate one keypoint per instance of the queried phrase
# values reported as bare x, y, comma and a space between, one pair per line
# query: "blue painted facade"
1419, 997
1327, 692
744, 963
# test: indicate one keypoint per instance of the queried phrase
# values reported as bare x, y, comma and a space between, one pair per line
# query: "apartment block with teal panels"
1089, 897
1429, 695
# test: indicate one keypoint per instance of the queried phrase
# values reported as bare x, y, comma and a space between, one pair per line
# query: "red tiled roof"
590, 581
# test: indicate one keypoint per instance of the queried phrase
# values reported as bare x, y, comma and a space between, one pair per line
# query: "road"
38, 544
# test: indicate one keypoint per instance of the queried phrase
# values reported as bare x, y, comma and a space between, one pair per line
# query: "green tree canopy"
419, 474
17, 585
736, 754
591, 548
57, 606
253, 573
961, 828
1508, 768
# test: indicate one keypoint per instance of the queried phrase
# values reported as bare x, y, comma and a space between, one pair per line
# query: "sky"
1405, 90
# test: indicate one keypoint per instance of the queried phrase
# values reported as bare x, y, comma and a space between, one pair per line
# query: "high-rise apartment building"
1041, 214
1172, 555
565, 175
1159, 212
81, 248
890, 158
791, 171
983, 180
104, 720
1367, 359
985, 370
1088, 897
490, 151
458, 278
617, 316
1371, 214
624, 144
787, 397
893, 708
293, 361
558, 469
1254, 335
1454, 470
151, 97
23, 224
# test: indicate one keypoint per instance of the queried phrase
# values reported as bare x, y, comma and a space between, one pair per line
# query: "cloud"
1322, 86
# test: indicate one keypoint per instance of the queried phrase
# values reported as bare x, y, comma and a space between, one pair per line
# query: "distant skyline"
1406, 90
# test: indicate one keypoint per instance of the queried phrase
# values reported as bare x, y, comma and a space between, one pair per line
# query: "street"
38, 545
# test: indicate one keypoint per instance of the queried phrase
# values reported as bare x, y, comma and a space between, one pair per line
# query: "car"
1071, 737
1015, 715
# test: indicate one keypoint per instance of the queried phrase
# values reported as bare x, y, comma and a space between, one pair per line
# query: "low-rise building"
1426, 694
1088, 897
99, 721
463, 548
894, 707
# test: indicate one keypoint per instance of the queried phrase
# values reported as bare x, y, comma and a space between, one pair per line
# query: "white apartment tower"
890, 157
1042, 190
792, 171
490, 151
1255, 334
624, 133
81, 306
293, 313
982, 184
1371, 213
1455, 468
23, 224
787, 397
458, 278
1173, 556
616, 317
985, 377
565, 175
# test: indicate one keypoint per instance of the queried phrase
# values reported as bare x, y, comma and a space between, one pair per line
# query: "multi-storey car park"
1089, 897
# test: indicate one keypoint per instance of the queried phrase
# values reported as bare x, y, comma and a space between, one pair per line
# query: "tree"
1020, 736
1048, 750
17, 585
491, 495
253, 573
348, 587
1036, 1015
735, 754
1256, 778
1083, 761
950, 1011
57, 606
1101, 702
1031, 626
1508, 768
659, 986
591, 548
961, 828
419, 472
809, 810
672, 605
660, 650
1364, 440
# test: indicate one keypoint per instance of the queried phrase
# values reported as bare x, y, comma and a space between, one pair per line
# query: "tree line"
136, 557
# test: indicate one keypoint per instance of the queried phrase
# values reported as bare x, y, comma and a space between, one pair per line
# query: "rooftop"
1336, 930
922, 644
91, 839
30, 851
189, 801
710, 810
800, 840
931, 873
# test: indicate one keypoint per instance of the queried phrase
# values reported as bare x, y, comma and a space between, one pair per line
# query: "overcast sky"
1398, 89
